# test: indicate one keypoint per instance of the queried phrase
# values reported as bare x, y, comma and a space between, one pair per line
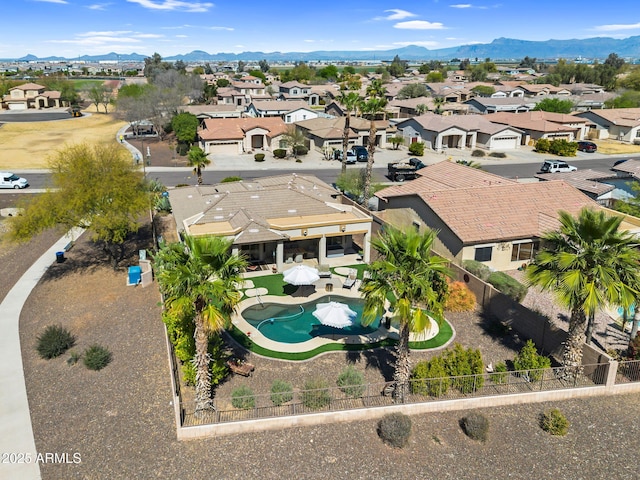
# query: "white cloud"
461, 5
419, 25
226, 29
61, 2
111, 33
396, 14
193, 7
182, 36
309, 41
148, 35
99, 6
612, 28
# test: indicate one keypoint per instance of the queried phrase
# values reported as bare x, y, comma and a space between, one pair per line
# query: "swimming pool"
296, 323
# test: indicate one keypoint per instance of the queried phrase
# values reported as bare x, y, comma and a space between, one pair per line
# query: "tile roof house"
484, 105
274, 220
273, 108
459, 131
540, 124
298, 91
326, 133
232, 136
592, 183
621, 124
480, 216
31, 95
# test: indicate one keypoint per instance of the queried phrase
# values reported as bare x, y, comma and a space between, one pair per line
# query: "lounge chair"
351, 279
324, 271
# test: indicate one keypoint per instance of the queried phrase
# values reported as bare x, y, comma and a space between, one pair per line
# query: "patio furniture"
240, 367
299, 258
324, 271
351, 279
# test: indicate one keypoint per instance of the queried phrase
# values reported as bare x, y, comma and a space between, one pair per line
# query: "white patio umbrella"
301, 275
334, 314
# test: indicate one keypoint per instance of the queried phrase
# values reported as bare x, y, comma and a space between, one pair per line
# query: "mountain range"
498, 49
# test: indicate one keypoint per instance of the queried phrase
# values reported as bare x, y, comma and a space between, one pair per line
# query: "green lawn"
85, 84
274, 284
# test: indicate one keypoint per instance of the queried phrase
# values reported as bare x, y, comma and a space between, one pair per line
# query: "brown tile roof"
536, 120
283, 106
632, 167
629, 117
333, 127
481, 207
28, 86
235, 128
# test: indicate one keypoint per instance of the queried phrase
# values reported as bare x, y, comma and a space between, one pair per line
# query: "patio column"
322, 250
280, 255
366, 253
235, 251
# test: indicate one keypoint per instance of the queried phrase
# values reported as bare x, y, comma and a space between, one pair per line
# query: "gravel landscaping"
120, 420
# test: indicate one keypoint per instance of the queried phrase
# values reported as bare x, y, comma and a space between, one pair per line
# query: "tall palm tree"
588, 263
198, 279
371, 107
350, 102
413, 282
198, 160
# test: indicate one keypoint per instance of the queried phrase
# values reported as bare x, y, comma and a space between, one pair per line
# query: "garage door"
17, 106
504, 143
230, 148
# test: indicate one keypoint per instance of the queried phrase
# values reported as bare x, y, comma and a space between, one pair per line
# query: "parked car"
361, 153
555, 166
351, 156
589, 147
11, 180
404, 169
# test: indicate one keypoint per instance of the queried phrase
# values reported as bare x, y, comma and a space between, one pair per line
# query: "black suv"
587, 147
361, 153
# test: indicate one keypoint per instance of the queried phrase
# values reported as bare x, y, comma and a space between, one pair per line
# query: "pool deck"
307, 295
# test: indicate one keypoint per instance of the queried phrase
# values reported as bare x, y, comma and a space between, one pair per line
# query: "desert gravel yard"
120, 419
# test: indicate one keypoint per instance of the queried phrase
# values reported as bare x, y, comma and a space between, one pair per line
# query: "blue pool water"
293, 324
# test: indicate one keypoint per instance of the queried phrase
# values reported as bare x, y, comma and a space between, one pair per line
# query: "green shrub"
54, 341
478, 153
351, 382
554, 422
508, 285
74, 357
298, 160
543, 145
279, 153
417, 149
96, 357
259, 157
478, 269
243, 398
182, 149
563, 148
530, 363
281, 392
300, 150
394, 429
231, 179
460, 298
189, 373
500, 373
430, 378
466, 365
162, 204
475, 426
498, 155
316, 393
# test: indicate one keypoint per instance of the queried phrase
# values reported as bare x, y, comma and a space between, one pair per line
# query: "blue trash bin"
59, 257
135, 275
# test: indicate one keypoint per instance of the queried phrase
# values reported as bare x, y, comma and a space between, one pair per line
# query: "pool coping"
259, 339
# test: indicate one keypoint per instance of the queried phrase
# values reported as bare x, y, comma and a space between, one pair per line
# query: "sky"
72, 28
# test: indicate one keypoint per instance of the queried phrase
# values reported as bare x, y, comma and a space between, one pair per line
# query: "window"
483, 254
522, 251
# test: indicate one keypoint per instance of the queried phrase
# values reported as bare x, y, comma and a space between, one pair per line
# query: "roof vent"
253, 230
218, 217
189, 196
255, 196
293, 210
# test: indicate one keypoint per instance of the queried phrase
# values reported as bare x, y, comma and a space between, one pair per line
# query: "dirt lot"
27, 145
121, 422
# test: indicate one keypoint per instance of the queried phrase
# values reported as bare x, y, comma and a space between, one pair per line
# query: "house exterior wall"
500, 255
299, 115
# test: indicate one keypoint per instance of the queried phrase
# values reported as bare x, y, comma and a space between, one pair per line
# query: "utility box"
135, 274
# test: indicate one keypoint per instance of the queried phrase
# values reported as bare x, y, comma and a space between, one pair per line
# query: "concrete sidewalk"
17, 444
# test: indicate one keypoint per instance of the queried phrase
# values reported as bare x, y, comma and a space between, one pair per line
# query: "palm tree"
198, 160
198, 278
371, 107
349, 101
588, 263
438, 102
413, 282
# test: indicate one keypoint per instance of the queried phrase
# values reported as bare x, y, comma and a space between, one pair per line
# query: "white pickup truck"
11, 180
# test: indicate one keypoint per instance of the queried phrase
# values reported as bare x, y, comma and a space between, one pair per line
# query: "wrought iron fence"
300, 402
628, 371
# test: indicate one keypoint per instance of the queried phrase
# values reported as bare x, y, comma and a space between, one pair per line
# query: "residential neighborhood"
251, 266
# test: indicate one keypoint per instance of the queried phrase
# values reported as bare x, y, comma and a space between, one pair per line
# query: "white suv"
554, 166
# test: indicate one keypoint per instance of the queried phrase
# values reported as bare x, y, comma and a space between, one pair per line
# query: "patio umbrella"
334, 314
301, 275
